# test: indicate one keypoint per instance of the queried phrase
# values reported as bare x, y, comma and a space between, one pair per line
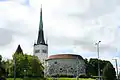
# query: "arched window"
37, 51
44, 51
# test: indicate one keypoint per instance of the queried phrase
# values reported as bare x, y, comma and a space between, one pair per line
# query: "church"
58, 64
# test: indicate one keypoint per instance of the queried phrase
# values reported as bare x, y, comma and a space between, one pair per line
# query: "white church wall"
41, 51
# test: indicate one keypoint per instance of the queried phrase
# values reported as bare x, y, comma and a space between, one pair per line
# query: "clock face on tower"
37, 51
44, 51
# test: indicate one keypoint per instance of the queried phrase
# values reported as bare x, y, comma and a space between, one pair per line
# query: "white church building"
41, 47
59, 64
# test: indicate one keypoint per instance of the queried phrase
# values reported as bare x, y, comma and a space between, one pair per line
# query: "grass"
51, 79
73, 79
24, 79
13, 79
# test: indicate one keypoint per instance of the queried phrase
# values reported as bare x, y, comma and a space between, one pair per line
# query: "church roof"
40, 39
65, 56
19, 50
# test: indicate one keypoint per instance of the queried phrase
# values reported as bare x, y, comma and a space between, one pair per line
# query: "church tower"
41, 47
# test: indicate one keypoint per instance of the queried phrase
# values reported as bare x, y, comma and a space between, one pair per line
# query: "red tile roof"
65, 56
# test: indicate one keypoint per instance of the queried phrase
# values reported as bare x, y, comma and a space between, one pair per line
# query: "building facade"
65, 65
41, 47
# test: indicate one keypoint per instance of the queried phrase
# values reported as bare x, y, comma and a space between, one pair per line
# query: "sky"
70, 26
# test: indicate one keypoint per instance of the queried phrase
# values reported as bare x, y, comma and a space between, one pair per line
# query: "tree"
6, 64
37, 68
89, 69
27, 66
93, 66
109, 72
2, 69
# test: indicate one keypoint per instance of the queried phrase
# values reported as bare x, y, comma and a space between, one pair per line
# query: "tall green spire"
41, 32
41, 21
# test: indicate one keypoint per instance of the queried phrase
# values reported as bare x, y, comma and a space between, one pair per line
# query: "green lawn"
73, 79
13, 79
24, 79
52, 79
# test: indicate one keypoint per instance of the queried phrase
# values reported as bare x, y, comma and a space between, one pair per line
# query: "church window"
37, 51
44, 51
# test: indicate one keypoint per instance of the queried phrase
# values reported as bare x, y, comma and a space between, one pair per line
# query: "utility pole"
116, 68
14, 67
97, 44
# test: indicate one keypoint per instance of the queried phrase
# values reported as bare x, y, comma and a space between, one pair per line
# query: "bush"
109, 72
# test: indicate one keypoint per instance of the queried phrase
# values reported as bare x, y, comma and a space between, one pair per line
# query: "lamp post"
46, 69
14, 67
116, 67
24, 73
97, 44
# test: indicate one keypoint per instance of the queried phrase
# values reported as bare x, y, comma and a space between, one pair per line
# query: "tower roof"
19, 50
40, 39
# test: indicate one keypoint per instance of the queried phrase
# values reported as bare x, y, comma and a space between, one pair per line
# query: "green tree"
6, 65
109, 72
93, 63
89, 69
93, 66
2, 69
37, 68
27, 66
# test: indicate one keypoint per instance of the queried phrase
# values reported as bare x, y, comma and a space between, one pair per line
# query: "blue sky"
71, 26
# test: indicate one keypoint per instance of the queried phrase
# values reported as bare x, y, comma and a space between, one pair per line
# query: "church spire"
41, 32
41, 21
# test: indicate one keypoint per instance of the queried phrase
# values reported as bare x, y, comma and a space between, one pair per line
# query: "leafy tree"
6, 64
93, 63
89, 69
93, 66
2, 69
37, 68
26, 66
109, 72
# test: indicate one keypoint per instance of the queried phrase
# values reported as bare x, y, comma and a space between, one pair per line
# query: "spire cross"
41, 5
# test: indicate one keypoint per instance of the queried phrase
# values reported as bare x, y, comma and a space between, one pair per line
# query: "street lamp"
14, 67
24, 73
116, 67
97, 44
